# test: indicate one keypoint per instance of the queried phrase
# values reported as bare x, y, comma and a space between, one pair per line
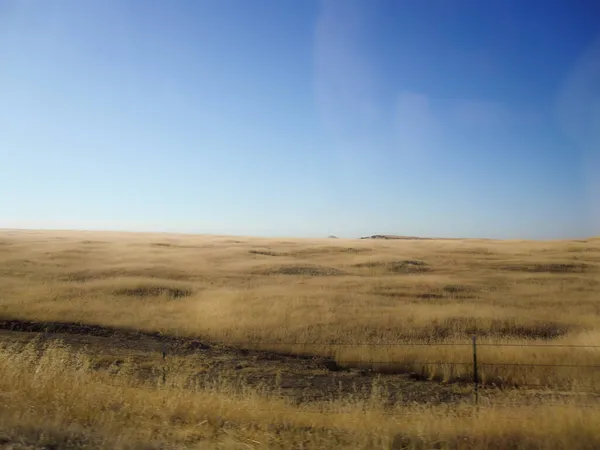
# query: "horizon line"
373, 237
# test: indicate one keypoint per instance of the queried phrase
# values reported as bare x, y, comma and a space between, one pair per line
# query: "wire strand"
470, 363
405, 344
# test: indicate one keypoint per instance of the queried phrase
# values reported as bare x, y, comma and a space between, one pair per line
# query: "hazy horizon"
442, 118
282, 236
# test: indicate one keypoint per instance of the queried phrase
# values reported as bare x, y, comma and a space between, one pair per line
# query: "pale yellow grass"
326, 296
54, 400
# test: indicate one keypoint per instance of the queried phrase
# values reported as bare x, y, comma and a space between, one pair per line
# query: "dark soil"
298, 378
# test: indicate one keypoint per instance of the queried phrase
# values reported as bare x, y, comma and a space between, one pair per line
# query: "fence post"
475, 373
163, 349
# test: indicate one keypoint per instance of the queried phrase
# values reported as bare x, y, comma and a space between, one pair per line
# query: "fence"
471, 370
575, 374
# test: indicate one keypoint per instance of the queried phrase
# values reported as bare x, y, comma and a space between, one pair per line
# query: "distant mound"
332, 237
393, 236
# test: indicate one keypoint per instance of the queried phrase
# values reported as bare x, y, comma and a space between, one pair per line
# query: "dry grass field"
289, 343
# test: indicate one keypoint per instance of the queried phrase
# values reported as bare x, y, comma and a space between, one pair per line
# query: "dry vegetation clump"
399, 266
266, 253
549, 267
304, 270
327, 249
144, 288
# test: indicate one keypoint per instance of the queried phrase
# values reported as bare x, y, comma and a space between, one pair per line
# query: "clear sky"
302, 118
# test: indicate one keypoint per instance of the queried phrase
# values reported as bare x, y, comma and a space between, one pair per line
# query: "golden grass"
390, 306
53, 399
326, 297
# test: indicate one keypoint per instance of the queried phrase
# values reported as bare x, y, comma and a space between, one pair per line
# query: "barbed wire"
470, 363
544, 404
404, 344
537, 345
588, 366
540, 385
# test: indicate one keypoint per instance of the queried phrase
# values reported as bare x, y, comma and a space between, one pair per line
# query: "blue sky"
302, 118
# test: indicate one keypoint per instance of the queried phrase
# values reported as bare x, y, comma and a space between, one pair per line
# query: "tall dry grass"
52, 399
350, 299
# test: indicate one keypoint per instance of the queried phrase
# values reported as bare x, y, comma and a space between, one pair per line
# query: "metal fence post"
163, 349
475, 374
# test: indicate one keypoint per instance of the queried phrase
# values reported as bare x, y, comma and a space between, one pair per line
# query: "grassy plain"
388, 314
